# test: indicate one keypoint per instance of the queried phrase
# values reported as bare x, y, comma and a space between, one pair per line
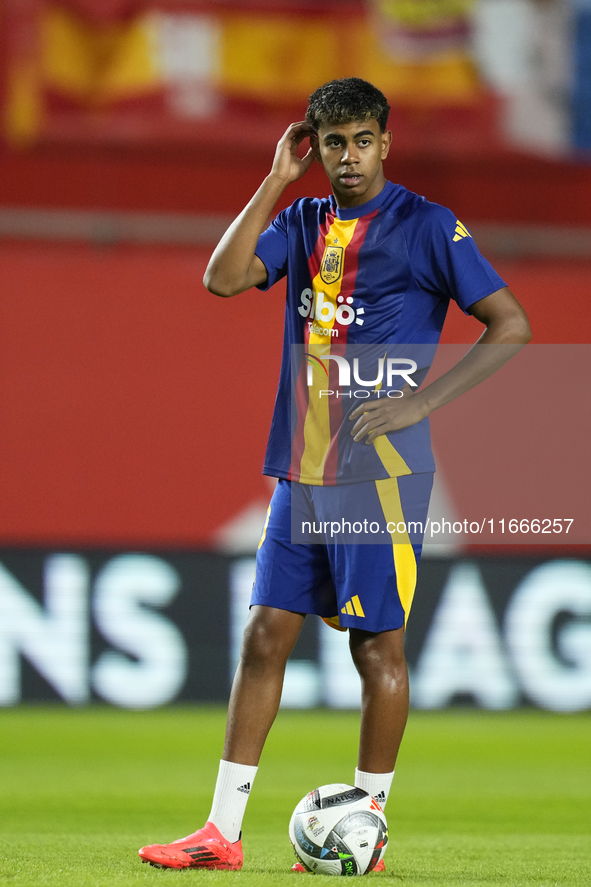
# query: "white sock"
377, 784
231, 793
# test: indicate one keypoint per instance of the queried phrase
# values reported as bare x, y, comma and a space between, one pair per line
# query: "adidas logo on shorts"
244, 788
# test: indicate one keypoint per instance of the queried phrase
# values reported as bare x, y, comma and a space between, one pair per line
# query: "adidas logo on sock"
381, 797
244, 788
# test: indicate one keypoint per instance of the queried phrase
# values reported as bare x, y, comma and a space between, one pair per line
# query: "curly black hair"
342, 101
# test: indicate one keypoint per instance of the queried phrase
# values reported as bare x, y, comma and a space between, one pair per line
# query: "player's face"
352, 155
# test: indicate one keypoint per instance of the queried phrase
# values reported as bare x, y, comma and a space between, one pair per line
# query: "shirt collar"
355, 212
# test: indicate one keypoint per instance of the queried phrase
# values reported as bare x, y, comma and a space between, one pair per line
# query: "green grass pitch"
478, 799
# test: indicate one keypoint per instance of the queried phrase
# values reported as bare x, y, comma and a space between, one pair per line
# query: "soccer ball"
338, 830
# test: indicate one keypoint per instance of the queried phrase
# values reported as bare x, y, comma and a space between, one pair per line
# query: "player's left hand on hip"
377, 417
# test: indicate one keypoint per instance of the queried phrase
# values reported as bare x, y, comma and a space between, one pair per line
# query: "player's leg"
375, 586
269, 638
379, 659
285, 588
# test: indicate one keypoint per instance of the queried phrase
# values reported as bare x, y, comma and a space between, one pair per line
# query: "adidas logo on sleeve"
461, 231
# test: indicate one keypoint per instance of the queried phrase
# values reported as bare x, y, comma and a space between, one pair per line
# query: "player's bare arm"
234, 267
506, 325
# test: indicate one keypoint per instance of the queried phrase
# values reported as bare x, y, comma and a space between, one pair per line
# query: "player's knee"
262, 647
378, 657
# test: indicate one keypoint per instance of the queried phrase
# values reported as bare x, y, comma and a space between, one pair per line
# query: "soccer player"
371, 265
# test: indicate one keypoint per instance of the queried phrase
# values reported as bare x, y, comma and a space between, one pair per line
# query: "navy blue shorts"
339, 572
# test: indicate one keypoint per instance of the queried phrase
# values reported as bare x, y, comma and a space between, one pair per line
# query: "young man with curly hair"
373, 264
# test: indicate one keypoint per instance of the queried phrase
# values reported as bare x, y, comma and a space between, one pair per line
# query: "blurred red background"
129, 409
135, 405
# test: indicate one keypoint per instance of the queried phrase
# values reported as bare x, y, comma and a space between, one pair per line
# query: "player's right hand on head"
287, 165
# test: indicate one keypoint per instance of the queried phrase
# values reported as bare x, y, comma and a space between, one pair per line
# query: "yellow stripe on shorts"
405, 562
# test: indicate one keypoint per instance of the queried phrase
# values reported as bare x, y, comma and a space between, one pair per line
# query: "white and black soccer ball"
338, 829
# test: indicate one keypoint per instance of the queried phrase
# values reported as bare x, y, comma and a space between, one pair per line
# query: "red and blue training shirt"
381, 274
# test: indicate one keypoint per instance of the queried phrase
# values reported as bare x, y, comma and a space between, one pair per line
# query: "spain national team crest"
331, 266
